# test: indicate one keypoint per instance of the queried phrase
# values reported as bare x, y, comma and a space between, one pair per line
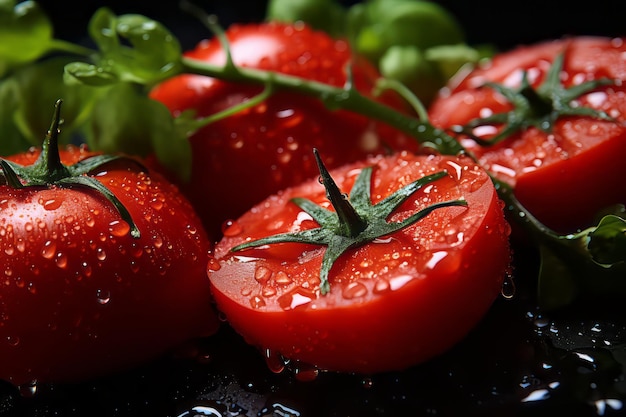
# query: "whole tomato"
394, 282
552, 118
103, 266
239, 160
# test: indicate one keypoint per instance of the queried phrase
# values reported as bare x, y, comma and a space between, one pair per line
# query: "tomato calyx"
48, 170
355, 221
537, 107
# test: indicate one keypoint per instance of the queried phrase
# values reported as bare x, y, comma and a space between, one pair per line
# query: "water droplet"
13, 340
262, 274
282, 278
381, 286
257, 302
354, 290
51, 204
103, 296
61, 260
119, 228
296, 298
49, 249
274, 361
305, 373
28, 390
156, 204
202, 410
213, 265
231, 228
101, 254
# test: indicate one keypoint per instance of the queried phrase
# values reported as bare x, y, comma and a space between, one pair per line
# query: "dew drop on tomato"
101, 254
354, 290
281, 278
49, 249
61, 260
156, 204
262, 274
103, 296
213, 265
119, 228
51, 203
231, 228
295, 298
257, 302
13, 341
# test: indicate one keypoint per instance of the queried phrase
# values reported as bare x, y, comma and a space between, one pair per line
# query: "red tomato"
393, 302
80, 296
567, 175
271, 142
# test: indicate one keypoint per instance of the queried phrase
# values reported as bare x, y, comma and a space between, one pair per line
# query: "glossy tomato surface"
241, 159
80, 297
565, 176
395, 302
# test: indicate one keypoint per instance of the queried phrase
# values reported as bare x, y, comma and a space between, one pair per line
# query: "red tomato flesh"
393, 303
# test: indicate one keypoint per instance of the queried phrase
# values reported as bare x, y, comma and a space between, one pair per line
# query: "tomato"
392, 300
567, 173
84, 293
271, 142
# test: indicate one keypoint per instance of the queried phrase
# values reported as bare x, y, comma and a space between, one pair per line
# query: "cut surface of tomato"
394, 302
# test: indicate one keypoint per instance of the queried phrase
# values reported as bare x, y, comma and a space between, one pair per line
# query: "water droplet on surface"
28, 390
213, 265
354, 290
298, 297
103, 296
49, 249
262, 274
257, 302
101, 254
51, 204
119, 228
61, 260
274, 361
282, 278
13, 341
305, 373
231, 228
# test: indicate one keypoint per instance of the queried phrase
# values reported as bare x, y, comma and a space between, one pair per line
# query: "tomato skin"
392, 303
273, 141
566, 177
80, 297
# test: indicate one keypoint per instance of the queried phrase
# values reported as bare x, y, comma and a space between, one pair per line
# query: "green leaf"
127, 121
557, 287
36, 87
326, 15
607, 243
12, 140
88, 74
25, 32
385, 23
133, 48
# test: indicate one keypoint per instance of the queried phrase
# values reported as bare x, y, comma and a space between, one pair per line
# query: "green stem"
333, 97
49, 161
59, 45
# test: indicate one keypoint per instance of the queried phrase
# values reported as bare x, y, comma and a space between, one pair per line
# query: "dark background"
502, 23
